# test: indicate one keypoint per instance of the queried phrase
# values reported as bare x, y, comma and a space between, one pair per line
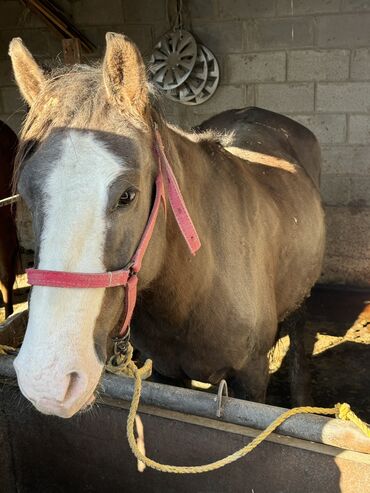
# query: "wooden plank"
71, 51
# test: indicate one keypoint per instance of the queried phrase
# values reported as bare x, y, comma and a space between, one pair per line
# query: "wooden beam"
71, 51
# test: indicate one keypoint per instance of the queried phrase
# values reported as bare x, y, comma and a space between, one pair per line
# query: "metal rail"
254, 415
9, 200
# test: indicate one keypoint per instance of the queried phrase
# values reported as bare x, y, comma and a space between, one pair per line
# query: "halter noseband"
128, 276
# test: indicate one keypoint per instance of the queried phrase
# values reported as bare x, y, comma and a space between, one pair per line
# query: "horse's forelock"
72, 98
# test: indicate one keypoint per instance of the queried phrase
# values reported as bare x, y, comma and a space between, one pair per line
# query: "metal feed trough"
90, 452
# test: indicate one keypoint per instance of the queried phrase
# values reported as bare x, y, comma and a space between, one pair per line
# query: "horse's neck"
177, 272
179, 149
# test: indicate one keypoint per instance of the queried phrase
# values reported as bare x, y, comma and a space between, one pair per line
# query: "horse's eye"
127, 197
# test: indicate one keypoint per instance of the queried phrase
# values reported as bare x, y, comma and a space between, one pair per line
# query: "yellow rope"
128, 367
4, 349
122, 364
344, 412
341, 411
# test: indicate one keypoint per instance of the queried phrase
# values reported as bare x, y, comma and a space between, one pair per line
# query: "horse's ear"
124, 74
28, 74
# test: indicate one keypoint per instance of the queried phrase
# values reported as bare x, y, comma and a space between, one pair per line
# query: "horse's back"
284, 213
265, 132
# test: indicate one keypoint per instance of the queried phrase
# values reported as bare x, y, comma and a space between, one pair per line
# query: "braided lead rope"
341, 411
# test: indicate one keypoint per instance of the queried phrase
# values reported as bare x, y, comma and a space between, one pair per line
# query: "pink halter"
128, 277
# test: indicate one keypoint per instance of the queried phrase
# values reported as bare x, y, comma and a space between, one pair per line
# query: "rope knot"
342, 411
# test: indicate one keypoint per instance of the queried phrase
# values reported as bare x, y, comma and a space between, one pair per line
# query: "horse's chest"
199, 352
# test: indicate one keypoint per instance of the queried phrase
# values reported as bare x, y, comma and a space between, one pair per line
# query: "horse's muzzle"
63, 396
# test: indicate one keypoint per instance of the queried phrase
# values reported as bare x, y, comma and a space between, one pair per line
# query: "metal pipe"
254, 415
9, 200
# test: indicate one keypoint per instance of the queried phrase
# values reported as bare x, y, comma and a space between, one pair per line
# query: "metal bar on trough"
9, 200
310, 427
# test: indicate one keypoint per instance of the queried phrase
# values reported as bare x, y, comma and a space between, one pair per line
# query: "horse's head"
87, 173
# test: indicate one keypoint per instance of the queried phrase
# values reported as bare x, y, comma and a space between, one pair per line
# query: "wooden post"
71, 51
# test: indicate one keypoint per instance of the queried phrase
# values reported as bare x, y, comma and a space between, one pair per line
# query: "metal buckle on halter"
121, 344
122, 352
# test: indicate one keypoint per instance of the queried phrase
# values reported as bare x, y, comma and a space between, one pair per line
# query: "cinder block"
14, 120
343, 30
352, 271
220, 37
246, 9
97, 36
355, 5
274, 34
359, 129
99, 12
255, 67
343, 97
303, 7
360, 64
318, 65
55, 46
203, 9
360, 191
142, 36
346, 159
225, 98
348, 233
335, 189
144, 11
11, 12
286, 98
183, 116
328, 128
250, 95
11, 100
6, 73
36, 40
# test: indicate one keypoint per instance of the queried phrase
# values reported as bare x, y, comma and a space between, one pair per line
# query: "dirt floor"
338, 333
337, 339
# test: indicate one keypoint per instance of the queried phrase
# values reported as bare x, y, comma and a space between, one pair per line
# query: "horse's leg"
251, 382
8, 266
158, 377
300, 381
6, 289
176, 382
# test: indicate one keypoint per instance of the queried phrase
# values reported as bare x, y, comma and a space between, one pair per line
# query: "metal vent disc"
194, 84
213, 79
173, 59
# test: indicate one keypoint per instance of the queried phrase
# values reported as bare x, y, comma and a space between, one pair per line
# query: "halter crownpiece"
128, 276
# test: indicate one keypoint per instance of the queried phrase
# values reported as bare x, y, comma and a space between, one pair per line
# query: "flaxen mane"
75, 97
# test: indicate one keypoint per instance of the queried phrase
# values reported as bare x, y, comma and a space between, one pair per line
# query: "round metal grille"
173, 59
212, 79
202, 82
195, 83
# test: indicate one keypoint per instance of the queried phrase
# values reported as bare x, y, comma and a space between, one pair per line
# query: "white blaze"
59, 336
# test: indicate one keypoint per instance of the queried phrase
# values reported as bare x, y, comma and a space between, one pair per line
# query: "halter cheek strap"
128, 276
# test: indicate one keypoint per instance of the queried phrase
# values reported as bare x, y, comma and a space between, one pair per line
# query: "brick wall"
307, 59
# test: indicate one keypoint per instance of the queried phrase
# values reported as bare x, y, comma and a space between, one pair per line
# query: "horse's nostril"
76, 386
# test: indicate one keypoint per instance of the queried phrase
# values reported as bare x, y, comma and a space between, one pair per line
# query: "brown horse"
8, 231
87, 172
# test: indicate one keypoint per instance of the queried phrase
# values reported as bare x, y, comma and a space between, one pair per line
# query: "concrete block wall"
307, 59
